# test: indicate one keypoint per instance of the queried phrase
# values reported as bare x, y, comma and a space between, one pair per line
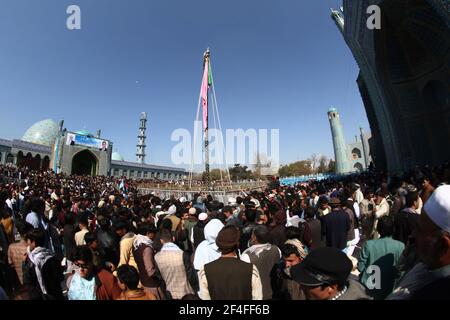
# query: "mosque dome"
117, 157
332, 109
84, 133
43, 132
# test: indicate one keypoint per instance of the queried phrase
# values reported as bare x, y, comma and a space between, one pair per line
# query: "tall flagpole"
206, 58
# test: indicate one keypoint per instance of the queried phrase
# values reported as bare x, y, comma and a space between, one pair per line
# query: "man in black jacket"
336, 225
69, 239
229, 278
108, 245
41, 268
199, 229
406, 221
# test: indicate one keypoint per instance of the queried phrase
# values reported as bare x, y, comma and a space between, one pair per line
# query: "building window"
9, 158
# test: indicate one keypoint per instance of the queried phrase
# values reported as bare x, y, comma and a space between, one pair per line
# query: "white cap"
182, 199
256, 202
159, 213
438, 207
203, 216
172, 209
192, 211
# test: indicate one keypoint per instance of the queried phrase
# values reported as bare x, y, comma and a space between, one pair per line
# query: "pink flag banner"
204, 95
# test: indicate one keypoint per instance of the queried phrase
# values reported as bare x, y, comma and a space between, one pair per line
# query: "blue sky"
277, 64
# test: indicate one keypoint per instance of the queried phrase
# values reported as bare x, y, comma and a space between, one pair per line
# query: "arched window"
45, 163
9, 158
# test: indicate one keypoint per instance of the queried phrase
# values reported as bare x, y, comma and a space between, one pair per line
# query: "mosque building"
47, 145
404, 78
351, 157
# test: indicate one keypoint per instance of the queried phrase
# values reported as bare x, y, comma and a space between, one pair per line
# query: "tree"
323, 164
239, 172
298, 168
214, 175
332, 166
262, 166
314, 159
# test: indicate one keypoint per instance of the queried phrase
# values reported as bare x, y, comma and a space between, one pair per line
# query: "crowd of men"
366, 236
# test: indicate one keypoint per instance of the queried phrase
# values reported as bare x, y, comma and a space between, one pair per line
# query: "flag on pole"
204, 94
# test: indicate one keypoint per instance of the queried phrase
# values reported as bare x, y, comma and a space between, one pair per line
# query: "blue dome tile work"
43, 132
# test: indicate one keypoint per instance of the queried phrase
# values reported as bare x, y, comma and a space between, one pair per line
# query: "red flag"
204, 95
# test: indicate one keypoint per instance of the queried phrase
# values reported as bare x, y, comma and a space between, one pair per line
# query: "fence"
219, 195
317, 177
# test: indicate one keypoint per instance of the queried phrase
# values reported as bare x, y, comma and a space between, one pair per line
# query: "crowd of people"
363, 237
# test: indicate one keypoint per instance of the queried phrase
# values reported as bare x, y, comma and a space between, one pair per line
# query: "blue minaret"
340, 147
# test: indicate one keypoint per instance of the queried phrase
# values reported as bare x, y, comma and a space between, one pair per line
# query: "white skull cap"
438, 207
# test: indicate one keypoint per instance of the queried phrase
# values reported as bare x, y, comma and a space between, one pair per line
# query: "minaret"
365, 147
338, 18
340, 147
140, 150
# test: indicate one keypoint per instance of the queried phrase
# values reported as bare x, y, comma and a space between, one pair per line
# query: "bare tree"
314, 159
262, 166
323, 164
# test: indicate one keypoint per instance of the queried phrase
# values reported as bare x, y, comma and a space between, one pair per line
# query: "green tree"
323, 164
214, 175
332, 166
239, 172
298, 168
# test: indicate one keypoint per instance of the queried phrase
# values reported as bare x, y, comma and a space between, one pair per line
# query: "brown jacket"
144, 257
136, 295
109, 288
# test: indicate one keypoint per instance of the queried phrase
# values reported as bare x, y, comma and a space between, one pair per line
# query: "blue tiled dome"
43, 132
85, 133
117, 157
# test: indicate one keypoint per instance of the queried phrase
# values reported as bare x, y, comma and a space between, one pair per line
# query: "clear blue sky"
277, 64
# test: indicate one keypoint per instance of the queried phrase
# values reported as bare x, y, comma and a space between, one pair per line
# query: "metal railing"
220, 195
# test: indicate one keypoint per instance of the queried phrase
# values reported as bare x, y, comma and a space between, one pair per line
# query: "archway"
45, 163
20, 158
37, 162
9, 158
84, 163
412, 51
28, 161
